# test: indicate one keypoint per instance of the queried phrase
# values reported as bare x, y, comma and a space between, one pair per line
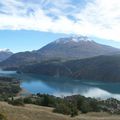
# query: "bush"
80, 100
85, 107
47, 100
62, 108
28, 100
94, 106
74, 111
2, 117
38, 101
17, 102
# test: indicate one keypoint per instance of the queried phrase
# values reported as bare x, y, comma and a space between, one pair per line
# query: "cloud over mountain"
97, 18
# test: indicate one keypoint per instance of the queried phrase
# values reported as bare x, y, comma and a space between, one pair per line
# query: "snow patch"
4, 50
73, 39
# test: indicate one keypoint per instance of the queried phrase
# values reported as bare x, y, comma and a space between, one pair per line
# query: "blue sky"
22, 40
31, 24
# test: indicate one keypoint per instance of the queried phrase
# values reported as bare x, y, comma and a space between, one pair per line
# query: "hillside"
103, 68
33, 112
63, 49
8, 87
19, 59
4, 54
72, 48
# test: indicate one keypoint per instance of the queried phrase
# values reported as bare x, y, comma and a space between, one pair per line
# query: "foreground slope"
103, 68
33, 112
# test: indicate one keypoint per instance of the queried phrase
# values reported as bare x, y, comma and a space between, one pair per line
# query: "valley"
74, 76
59, 60
74, 57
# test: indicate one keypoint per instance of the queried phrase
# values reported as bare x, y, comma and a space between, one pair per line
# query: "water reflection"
65, 86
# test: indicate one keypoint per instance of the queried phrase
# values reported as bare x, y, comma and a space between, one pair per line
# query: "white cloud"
98, 18
102, 19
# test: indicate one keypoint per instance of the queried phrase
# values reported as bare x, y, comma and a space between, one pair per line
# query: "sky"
22, 40
31, 24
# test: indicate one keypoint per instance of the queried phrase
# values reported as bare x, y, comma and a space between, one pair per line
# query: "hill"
63, 49
8, 87
4, 54
103, 68
33, 112
19, 59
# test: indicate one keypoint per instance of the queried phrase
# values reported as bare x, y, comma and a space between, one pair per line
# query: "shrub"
80, 101
62, 108
28, 100
17, 102
94, 106
2, 117
74, 111
85, 107
47, 100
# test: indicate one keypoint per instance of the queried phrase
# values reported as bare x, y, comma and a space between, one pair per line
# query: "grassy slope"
33, 112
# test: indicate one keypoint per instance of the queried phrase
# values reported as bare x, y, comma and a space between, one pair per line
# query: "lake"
65, 86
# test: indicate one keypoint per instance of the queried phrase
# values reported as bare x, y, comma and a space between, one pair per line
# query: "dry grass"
33, 112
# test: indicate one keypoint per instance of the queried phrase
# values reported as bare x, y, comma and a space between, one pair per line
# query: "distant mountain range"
4, 54
64, 49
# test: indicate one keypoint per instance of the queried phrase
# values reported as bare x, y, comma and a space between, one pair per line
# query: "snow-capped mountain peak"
4, 50
73, 39
4, 54
80, 38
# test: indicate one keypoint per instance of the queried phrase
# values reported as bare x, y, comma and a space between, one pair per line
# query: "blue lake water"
65, 86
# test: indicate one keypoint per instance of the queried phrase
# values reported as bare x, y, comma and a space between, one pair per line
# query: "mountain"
64, 49
18, 59
4, 54
77, 47
103, 68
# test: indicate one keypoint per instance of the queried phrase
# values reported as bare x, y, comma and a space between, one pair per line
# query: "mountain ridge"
101, 68
4, 54
75, 48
